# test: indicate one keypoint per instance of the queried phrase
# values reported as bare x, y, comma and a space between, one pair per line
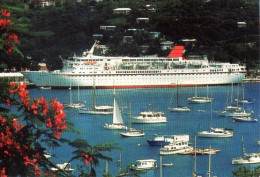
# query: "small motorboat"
244, 119
146, 164
167, 164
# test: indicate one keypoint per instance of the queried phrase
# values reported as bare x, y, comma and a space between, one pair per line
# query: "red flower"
4, 13
3, 173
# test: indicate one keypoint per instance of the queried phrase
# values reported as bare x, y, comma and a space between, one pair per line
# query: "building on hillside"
154, 35
241, 24
45, 3
97, 36
43, 67
142, 20
187, 42
107, 28
148, 7
166, 45
134, 31
128, 39
125, 11
144, 48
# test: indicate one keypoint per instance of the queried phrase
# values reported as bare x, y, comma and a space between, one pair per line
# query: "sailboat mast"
237, 93
119, 164
130, 115
227, 95
195, 156
210, 116
70, 96
243, 146
161, 166
231, 97
196, 94
177, 95
207, 91
78, 94
209, 172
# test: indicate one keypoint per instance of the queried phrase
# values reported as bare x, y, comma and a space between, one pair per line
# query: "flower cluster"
58, 121
4, 22
11, 39
13, 140
40, 107
86, 158
12, 146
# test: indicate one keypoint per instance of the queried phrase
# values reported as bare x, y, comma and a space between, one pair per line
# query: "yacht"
177, 147
216, 133
132, 133
166, 139
245, 119
149, 117
146, 164
247, 158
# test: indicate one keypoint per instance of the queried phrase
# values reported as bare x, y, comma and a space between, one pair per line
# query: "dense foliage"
243, 171
72, 25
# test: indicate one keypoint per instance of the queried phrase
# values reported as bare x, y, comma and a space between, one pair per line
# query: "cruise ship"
137, 72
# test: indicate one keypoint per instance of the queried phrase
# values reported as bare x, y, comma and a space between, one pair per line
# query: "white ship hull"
110, 79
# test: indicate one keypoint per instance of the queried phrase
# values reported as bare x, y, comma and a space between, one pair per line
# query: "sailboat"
132, 132
209, 172
179, 108
74, 105
96, 109
197, 99
244, 100
215, 132
235, 111
117, 117
247, 158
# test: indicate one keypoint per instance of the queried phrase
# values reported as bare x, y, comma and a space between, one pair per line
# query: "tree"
243, 171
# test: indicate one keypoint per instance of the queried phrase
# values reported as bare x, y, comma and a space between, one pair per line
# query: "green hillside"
213, 23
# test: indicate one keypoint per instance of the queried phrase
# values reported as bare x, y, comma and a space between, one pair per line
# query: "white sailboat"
209, 172
117, 117
235, 111
247, 158
197, 99
132, 132
215, 132
74, 105
105, 110
179, 108
244, 100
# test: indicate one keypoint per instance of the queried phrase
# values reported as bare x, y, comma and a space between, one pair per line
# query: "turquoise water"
178, 123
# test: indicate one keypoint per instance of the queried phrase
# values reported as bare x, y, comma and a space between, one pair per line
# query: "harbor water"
160, 99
